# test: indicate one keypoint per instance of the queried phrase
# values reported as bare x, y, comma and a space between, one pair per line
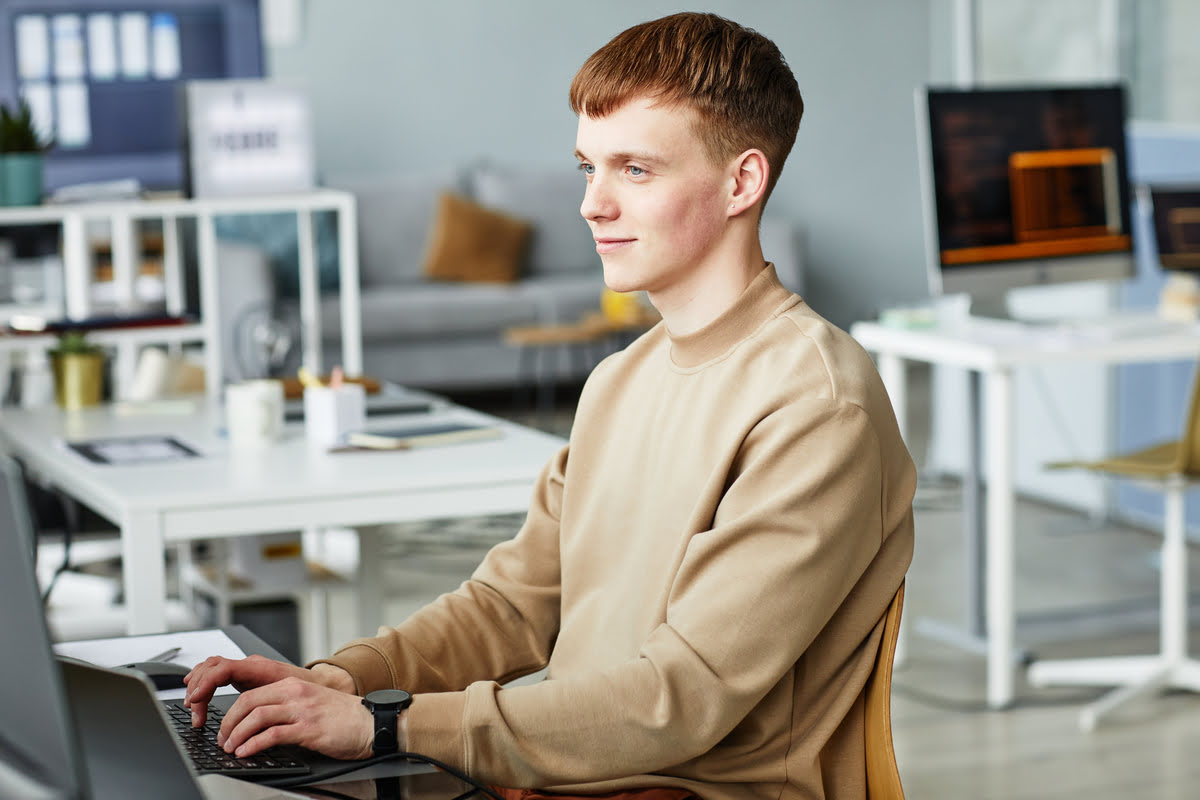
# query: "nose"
598, 203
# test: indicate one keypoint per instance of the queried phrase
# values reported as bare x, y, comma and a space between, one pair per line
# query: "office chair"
1170, 468
883, 775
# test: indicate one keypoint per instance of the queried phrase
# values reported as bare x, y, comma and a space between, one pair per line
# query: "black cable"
324, 775
70, 527
330, 793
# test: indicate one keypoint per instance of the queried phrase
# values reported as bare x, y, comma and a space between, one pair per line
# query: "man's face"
655, 203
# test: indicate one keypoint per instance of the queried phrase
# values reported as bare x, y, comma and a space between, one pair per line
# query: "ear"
749, 173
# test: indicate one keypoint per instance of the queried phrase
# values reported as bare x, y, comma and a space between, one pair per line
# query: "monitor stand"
990, 306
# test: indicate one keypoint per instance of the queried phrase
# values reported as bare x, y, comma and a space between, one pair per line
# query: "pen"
165, 655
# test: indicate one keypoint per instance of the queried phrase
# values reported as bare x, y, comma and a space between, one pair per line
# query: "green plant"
18, 134
74, 341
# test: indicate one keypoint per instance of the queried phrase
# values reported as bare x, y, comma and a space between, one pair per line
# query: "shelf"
203, 579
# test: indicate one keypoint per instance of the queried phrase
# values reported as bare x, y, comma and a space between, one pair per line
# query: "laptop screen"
37, 752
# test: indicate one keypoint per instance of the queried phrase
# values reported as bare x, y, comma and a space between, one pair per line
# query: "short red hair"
734, 78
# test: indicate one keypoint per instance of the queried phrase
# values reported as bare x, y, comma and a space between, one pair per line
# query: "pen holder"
332, 412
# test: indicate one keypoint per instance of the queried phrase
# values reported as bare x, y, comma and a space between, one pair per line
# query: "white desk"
994, 351
286, 487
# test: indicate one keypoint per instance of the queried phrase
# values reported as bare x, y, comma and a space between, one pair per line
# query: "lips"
609, 244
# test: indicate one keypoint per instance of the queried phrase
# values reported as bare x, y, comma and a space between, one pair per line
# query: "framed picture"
247, 137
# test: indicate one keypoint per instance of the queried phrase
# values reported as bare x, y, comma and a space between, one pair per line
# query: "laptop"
71, 731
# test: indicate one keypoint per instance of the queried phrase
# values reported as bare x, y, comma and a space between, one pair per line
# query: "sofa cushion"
395, 213
431, 310
471, 243
549, 199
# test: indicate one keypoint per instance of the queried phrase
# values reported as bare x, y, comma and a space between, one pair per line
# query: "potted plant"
21, 154
78, 367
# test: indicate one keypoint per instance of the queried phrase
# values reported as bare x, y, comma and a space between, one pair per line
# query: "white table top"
986, 344
290, 481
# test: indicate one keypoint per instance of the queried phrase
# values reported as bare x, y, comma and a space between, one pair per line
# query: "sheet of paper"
102, 46
33, 47
71, 111
67, 34
194, 647
134, 33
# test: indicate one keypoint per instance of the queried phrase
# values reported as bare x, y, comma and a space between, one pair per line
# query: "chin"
620, 281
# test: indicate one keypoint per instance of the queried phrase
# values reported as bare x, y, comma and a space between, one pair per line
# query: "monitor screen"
103, 77
1177, 226
1024, 186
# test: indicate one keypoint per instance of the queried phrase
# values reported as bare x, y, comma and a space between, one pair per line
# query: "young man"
704, 569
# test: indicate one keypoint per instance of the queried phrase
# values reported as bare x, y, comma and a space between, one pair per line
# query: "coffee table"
594, 332
287, 486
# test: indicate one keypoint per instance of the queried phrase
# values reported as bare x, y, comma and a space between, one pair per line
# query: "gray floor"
1083, 588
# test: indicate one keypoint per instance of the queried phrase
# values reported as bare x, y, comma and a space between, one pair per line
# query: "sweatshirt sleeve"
498, 625
800, 520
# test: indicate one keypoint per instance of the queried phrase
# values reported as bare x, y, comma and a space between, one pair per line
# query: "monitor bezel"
992, 279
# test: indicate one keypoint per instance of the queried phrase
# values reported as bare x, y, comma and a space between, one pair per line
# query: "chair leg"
1136, 676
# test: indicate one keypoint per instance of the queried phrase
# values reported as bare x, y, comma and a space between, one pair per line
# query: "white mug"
254, 413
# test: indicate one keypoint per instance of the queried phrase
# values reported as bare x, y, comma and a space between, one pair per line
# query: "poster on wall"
247, 137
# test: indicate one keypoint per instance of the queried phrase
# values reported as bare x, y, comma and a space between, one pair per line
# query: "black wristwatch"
385, 705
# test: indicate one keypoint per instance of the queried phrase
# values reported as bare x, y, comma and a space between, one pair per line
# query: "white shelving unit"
122, 218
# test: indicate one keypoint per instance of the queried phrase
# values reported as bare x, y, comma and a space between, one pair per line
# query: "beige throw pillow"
471, 243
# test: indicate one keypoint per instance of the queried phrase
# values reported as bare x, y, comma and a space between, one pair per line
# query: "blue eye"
586, 168
636, 172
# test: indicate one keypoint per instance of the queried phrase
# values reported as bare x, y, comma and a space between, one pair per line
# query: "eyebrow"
643, 156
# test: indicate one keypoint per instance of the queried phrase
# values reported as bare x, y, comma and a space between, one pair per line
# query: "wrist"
387, 707
334, 678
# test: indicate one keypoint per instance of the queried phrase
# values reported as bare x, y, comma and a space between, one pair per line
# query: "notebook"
73, 731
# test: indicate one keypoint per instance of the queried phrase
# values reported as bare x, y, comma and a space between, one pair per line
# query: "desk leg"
143, 572
972, 506
1000, 549
370, 580
892, 371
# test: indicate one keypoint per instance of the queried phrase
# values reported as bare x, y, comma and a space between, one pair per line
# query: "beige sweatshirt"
703, 571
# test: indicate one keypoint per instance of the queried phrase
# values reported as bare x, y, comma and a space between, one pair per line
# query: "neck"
713, 285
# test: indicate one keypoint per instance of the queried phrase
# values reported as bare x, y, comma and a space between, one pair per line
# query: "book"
133, 449
422, 436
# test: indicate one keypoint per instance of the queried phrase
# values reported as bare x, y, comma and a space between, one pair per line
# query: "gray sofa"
449, 335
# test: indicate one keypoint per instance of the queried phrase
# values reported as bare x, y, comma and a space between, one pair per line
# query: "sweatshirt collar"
761, 301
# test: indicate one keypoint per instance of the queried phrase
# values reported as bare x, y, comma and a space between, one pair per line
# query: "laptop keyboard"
200, 744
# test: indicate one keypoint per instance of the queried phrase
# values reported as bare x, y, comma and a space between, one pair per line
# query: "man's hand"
299, 712
250, 673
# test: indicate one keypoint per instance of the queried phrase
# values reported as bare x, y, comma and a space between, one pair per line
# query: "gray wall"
412, 86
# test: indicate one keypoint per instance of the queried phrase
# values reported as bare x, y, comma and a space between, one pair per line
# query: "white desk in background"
288, 486
991, 351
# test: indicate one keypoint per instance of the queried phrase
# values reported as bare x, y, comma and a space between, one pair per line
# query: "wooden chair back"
883, 774
1190, 445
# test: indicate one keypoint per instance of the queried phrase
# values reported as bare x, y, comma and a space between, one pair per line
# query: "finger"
258, 724
273, 694
268, 738
204, 679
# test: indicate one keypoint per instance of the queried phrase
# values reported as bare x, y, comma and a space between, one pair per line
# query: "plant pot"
21, 179
78, 379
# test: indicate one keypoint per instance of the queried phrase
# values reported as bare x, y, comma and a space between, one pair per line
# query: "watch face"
389, 697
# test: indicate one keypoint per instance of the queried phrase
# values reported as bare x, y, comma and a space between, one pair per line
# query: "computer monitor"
1176, 215
1023, 187
103, 78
